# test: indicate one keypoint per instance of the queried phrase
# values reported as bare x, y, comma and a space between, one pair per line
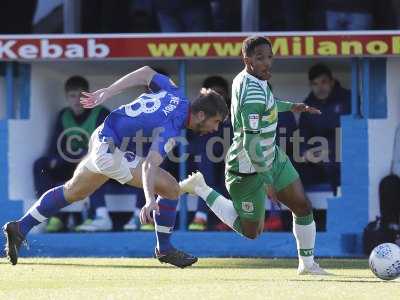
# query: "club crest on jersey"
254, 119
130, 156
273, 116
248, 206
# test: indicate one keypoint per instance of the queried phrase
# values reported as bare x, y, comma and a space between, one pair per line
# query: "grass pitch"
229, 278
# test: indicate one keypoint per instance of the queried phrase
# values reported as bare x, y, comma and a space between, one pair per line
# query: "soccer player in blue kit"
129, 147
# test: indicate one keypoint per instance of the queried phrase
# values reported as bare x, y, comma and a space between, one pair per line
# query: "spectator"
332, 100
349, 15
68, 145
199, 160
184, 15
395, 167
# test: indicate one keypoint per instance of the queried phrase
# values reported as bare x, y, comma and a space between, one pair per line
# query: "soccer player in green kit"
255, 165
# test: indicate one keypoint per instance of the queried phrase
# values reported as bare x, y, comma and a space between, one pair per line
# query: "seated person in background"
199, 160
321, 156
69, 143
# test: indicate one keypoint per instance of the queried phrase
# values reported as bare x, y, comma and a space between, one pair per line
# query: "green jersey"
254, 113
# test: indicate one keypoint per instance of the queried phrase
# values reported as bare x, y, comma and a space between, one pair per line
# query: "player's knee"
174, 191
303, 207
73, 193
168, 187
251, 234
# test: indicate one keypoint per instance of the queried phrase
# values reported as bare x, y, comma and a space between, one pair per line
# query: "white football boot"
314, 269
193, 182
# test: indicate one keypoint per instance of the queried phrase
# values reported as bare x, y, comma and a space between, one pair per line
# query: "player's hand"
146, 213
90, 100
301, 107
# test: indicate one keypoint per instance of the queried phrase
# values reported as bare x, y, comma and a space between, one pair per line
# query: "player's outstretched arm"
149, 168
301, 107
295, 107
139, 77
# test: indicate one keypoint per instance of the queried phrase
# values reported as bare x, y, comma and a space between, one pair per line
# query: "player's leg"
248, 197
245, 213
83, 183
168, 190
289, 191
303, 223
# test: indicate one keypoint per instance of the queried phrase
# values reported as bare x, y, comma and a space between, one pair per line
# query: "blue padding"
25, 90
3, 161
366, 85
203, 244
355, 97
10, 90
377, 85
9, 210
349, 214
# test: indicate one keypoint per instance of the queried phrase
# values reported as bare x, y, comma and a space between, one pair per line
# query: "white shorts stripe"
36, 215
163, 229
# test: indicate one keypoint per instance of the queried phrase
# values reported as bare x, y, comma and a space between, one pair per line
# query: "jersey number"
148, 103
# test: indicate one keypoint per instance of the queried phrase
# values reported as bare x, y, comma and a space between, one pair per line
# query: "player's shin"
304, 232
164, 223
223, 208
48, 205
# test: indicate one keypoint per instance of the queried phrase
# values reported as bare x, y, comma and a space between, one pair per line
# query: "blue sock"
164, 223
48, 205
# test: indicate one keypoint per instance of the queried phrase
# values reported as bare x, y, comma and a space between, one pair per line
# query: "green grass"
209, 279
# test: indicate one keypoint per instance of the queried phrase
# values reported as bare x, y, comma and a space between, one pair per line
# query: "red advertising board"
179, 46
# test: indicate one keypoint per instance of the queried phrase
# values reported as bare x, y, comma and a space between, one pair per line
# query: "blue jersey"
151, 121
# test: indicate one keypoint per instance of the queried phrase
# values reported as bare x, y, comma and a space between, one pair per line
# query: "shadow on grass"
232, 263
